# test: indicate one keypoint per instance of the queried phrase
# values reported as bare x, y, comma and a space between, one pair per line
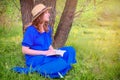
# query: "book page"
58, 52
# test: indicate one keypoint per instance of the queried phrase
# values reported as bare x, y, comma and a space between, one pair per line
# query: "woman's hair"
38, 21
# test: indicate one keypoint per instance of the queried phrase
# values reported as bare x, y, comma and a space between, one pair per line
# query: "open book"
58, 52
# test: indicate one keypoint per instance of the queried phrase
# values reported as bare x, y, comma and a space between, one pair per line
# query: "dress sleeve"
28, 37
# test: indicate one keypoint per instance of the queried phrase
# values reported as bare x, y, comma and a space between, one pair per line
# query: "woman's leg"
70, 54
33, 61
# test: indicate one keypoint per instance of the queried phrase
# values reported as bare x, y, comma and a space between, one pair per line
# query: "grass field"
96, 39
98, 56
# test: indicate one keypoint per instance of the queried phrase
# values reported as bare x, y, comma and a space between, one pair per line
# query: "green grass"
97, 44
97, 52
98, 56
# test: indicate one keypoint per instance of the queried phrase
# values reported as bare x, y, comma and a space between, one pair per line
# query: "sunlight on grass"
95, 35
97, 50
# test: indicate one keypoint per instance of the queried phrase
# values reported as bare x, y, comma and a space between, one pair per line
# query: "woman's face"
46, 16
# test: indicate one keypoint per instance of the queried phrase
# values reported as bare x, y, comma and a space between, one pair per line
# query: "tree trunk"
26, 7
65, 24
65, 21
50, 3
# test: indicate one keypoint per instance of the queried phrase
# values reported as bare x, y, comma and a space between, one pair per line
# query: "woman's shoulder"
30, 28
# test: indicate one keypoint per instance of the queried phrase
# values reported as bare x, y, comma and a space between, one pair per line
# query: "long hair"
38, 21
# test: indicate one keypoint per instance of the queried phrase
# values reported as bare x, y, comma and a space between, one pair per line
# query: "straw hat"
39, 9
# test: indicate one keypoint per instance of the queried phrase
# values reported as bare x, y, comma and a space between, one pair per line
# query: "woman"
40, 56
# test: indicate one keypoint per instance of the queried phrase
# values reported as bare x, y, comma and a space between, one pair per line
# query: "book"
58, 52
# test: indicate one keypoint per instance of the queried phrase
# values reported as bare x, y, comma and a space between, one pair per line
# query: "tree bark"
26, 7
49, 3
65, 24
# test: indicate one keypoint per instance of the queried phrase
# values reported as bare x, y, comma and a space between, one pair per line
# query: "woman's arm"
51, 47
27, 50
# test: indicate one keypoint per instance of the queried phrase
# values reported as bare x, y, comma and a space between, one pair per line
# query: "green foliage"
97, 54
9, 12
95, 35
3, 7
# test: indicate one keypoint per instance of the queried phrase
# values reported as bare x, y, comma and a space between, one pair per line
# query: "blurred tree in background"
95, 35
7, 10
65, 23
92, 12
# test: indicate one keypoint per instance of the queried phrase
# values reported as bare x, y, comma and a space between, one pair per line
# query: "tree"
65, 23
26, 7
66, 20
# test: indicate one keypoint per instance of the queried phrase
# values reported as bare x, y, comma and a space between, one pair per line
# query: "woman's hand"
50, 52
27, 50
51, 47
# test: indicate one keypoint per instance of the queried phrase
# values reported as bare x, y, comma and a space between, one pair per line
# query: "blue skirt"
49, 66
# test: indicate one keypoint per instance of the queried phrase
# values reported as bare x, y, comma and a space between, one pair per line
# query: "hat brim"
34, 17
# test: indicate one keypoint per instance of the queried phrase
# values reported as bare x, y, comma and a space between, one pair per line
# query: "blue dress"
47, 66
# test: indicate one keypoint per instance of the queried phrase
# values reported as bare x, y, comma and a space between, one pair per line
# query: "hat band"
39, 13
